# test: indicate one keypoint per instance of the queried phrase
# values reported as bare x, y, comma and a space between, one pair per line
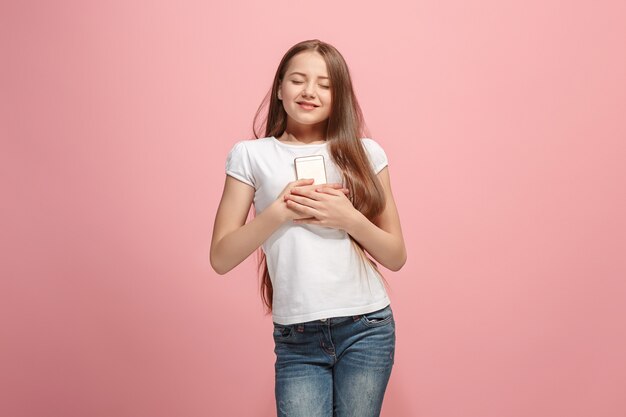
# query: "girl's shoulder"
376, 153
370, 143
373, 147
251, 143
249, 147
242, 159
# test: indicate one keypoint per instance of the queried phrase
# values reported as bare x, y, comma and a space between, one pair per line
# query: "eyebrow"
301, 73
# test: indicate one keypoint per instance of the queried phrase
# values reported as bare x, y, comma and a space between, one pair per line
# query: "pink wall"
504, 125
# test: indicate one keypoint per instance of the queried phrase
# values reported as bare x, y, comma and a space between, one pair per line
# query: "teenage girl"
334, 330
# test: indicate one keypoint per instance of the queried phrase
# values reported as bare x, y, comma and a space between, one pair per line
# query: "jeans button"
322, 319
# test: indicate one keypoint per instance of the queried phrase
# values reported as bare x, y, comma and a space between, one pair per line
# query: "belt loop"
300, 327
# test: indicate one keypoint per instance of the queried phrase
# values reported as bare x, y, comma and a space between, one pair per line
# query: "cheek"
327, 98
327, 106
289, 92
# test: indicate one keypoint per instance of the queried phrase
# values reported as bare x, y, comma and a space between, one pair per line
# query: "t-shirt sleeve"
238, 164
378, 157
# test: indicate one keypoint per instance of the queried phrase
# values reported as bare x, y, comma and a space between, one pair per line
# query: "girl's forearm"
387, 248
236, 246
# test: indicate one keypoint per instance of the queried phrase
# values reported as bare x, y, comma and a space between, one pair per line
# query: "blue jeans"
335, 367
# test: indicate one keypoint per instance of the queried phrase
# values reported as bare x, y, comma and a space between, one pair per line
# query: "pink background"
504, 126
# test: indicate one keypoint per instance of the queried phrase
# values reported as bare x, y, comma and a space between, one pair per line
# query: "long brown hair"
345, 127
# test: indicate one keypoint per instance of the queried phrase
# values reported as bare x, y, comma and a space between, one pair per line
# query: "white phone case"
311, 167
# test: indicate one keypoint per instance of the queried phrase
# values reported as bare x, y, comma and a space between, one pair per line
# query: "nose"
308, 90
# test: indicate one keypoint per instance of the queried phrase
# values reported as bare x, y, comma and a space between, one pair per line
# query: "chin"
306, 121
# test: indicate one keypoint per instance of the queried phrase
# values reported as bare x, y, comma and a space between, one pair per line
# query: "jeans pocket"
378, 318
282, 332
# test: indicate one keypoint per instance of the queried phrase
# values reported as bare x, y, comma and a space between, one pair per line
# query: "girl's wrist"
278, 210
355, 221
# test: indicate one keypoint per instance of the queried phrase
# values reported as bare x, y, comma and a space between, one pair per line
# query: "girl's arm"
233, 239
382, 238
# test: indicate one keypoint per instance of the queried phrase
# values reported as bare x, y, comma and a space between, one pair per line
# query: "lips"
307, 106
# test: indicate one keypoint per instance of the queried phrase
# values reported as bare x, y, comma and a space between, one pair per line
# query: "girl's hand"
287, 212
322, 205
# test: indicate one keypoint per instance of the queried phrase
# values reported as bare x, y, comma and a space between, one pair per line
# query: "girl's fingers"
309, 186
301, 209
304, 180
309, 220
302, 200
295, 206
337, 186
329, 190
300, 183
307, 192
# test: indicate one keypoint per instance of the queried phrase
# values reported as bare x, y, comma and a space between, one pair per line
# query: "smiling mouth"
307, 106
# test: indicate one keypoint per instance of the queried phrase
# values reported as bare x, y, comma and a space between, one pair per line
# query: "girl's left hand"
328, 206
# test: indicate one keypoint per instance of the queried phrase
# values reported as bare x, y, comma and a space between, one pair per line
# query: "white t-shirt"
316, 273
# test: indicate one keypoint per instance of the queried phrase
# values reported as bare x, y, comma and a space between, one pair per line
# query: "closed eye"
300, 82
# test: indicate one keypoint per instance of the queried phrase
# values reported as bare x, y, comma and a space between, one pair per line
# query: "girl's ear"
279, 95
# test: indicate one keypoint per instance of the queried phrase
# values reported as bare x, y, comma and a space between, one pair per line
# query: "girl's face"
306, 80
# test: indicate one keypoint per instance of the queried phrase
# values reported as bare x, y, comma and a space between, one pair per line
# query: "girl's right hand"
290, 214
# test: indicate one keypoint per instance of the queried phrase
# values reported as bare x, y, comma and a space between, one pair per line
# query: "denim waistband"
331, 321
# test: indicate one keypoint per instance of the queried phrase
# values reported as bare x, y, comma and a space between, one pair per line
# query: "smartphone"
311, 167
